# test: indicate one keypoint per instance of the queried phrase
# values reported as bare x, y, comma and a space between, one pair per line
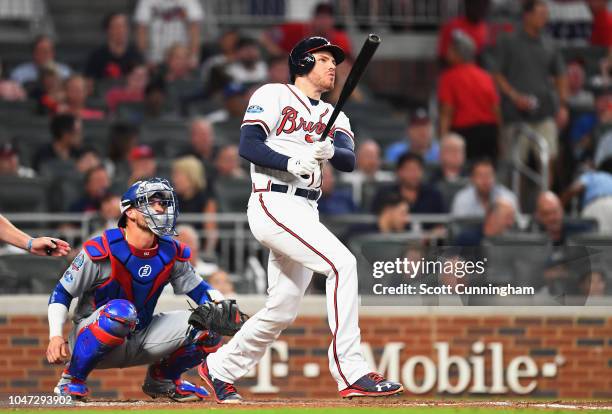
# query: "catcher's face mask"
156, 200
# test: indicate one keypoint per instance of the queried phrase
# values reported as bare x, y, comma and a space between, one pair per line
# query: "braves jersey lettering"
292, 124
289, 123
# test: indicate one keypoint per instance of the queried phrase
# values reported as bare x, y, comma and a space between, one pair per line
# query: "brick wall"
578, 348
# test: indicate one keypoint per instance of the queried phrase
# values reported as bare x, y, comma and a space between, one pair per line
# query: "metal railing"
352, 13
397, 13
33, 12
236, 246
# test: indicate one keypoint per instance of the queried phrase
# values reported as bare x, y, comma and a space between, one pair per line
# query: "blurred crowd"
497, 86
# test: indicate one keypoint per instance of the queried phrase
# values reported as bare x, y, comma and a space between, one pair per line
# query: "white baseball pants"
299, 245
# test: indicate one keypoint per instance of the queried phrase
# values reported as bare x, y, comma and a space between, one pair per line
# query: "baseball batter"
118, 278
279, 136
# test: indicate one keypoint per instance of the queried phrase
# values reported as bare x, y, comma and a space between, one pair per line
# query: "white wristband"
56, 314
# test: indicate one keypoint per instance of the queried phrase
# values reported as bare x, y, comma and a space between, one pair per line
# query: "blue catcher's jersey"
109, 268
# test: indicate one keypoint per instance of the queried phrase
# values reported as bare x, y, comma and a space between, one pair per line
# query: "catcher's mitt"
223, 317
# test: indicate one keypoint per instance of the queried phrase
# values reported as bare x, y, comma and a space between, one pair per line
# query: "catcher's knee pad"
118, 317
114, 323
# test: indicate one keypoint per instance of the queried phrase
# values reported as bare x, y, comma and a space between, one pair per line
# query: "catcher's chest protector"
138, 276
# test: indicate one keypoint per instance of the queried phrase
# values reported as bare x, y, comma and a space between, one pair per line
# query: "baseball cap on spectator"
463, 44
234, 89
419, 116
324, 8
7, 150
140, 152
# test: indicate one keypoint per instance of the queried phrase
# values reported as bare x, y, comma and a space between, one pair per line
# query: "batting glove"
323, 150
301, 166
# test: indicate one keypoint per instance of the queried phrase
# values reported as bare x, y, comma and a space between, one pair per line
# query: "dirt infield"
356, 402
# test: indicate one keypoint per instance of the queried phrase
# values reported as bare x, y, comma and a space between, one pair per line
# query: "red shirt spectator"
76, 93
479, 32
471, 23
281, 39
601, 34
469, 103
133, 91
288, 34
471, 92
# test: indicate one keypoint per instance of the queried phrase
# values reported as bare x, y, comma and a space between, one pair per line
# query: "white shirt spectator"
358, 178
241, 74
29, 72
604, 148
168, 22
467, 204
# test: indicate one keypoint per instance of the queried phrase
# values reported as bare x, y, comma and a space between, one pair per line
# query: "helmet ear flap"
301, 65
306, 63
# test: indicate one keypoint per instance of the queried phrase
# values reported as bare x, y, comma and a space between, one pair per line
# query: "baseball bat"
365, 55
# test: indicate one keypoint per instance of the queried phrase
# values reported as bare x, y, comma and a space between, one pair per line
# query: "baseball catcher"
280, 137
118, 278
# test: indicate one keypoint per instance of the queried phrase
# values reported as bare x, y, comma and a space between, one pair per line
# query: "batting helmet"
301, 60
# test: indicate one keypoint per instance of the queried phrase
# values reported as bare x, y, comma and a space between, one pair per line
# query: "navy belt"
300, 192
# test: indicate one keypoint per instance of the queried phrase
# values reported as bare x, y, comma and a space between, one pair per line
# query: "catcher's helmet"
301, 60
142, 194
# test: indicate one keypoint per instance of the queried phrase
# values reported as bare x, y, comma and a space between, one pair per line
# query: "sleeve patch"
255, 109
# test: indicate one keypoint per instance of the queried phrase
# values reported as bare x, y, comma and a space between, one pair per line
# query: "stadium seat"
227, 132
590, 55
10, 109
590, 225
66, 183
175, 131
102, 86
385, 131
233, 194
164, 167
517, 258
590, 240
37, 274
130, 111
10, 280
95, 135
379, 247
179, 89
368, 192
459, 225
23, 194
450, 189
27, 126
340, 224
369, 109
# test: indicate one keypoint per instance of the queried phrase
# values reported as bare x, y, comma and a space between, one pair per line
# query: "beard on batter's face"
323, 75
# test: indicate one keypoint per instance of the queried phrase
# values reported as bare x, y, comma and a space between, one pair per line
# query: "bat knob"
374, 38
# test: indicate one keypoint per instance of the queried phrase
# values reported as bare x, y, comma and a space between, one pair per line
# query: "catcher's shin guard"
115, 322
163, 377
187, 356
